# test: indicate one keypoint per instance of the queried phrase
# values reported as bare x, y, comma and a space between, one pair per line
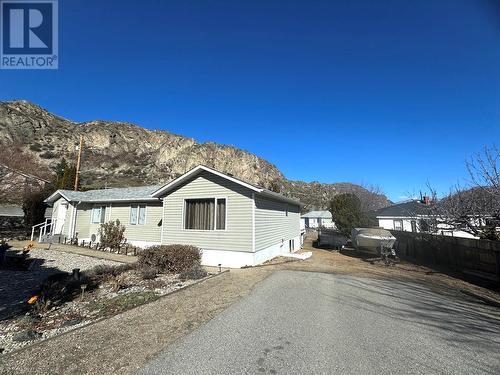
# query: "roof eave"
281, 198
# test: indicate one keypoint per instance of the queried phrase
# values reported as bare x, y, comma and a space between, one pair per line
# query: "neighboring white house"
316, 219
235, 223
415, 216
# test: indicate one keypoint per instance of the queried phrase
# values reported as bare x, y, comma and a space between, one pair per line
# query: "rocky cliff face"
123, 154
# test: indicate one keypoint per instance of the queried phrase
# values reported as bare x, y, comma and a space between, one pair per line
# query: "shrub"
103, 272
148, 273
48, 155
111, 235
194, 273
60, 288
119, 282
170, 258
35, 147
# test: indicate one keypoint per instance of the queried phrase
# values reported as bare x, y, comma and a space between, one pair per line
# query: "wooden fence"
475, 260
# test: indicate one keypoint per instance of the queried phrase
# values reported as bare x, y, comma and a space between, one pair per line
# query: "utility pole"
78, 162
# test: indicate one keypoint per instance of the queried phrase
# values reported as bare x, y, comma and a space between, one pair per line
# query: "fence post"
497, 254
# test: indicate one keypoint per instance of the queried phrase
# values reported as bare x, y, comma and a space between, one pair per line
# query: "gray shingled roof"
11, 210
406, 209
109, 195
318, 214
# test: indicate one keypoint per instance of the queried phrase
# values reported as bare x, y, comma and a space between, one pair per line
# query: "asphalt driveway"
303, 322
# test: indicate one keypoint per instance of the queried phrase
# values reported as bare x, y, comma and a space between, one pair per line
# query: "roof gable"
202, 168
195, 171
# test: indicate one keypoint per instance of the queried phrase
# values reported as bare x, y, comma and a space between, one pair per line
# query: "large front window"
205, 214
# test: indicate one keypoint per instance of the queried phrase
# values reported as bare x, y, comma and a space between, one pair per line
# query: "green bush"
112, 235
170, 258
194, 273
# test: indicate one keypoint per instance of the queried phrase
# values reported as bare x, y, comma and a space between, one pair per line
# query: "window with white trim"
138, 214
98, 214
205, 214
398, 224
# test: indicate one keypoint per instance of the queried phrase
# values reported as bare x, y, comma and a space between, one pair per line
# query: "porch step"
54, 238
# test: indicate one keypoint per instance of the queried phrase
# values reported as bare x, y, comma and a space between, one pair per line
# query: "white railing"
47, 227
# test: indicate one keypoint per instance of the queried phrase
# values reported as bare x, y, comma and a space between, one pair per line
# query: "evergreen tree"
68, 178
347, 213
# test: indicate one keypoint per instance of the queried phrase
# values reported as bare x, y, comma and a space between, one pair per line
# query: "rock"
71, 322
26, 336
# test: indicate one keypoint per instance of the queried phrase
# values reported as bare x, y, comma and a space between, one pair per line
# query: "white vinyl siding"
237, 235
275, 222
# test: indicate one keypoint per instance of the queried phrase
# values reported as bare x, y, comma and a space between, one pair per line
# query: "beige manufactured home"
235, 223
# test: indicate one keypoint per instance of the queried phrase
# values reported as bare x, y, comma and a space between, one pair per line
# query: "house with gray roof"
235, 223
317, 219
415, 216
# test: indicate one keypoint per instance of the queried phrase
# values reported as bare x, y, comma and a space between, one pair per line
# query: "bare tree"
20, 173
484, 170
473, 209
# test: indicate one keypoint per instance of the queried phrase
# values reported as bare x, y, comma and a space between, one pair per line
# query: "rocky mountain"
124, 154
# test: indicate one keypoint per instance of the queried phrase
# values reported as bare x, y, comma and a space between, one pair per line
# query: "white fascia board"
178, 181
122, 200
51, 198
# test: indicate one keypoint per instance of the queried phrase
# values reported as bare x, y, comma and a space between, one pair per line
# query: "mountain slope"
123, 154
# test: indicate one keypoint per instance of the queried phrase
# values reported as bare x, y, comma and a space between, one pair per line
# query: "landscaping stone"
26, 336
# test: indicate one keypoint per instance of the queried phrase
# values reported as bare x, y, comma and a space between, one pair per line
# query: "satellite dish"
93, 238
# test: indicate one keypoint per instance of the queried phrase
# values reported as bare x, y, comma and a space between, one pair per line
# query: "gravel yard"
17, 286
65, 303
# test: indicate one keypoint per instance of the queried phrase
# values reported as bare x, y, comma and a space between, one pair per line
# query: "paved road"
314, 323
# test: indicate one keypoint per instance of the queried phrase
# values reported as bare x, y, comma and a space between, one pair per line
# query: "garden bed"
66, 301
113, 295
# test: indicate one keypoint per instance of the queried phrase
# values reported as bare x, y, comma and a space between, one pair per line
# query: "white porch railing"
47, 227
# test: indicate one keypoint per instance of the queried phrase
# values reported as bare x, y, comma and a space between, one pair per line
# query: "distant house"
316, 219
415, 216
235, 223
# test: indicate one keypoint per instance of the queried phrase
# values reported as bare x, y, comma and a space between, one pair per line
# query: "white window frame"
400, 221
101, 219
183, 223
138, 205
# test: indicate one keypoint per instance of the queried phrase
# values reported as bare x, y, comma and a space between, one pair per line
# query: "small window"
413, 226
398, 224
98, 214
138, 214
221, 214
205, 214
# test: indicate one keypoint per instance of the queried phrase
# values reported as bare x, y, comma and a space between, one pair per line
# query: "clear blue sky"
394, 93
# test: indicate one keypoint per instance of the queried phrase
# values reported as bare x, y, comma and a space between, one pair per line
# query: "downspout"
73, 224
253, 222
162, 219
